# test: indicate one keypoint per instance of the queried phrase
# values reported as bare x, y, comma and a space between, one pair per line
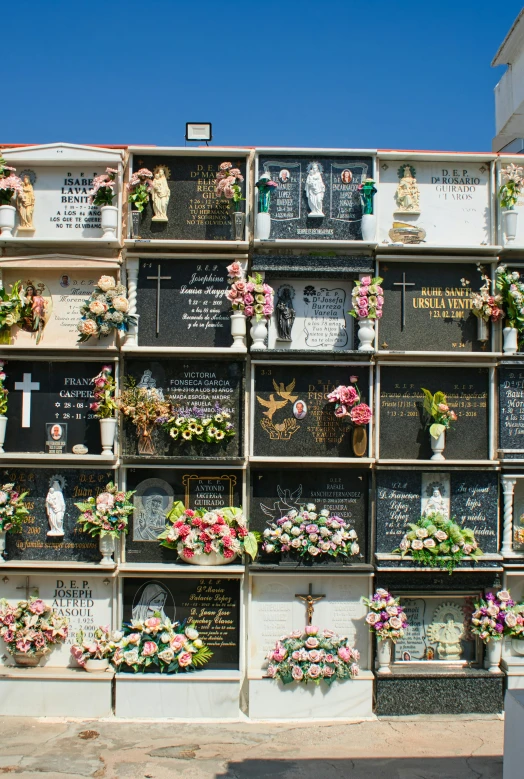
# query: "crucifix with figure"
310, 601
158, 278
403, 284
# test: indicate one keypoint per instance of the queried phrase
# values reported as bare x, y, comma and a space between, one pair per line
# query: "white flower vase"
493, 654
3, 425
109, 222
369, 227
107, 435
213, 558
7, 221
384, 649
366, 335
482, 329
517, 644
238, 330
510, 340
509, 218
262, 226
2, 546
258, 334
106, 544
96, 665
437, 446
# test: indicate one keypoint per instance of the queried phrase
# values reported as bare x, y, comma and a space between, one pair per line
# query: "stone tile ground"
429, 748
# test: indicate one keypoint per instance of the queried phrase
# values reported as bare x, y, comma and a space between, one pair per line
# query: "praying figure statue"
436, 504
408, 193
315, 190
285, 314
447, 631
55, 508
26, 204
160, 195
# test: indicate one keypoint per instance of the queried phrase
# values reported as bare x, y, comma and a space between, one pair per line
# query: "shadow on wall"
362, 768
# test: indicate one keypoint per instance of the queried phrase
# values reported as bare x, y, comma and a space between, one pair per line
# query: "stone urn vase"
493, 655
384, 650
369, 227
238, 329
3, 425
258, 333
366, 335
359, 440
517, 644
2, 546
511, 340
262, 226
213, 558
106, 544
482, 329
96, 665
27, 660
109, 222
437, 446
107, 435
509, 220
134, 224
7, 221
238, 220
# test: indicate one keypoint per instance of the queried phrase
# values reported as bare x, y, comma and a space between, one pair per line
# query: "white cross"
26, 386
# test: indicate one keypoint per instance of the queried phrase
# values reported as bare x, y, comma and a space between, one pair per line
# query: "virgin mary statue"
315, 189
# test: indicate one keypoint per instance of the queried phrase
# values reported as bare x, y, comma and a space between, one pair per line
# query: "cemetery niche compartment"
469, 498
335, 190
187, 384
157, 490
511, 411
344, 492
49, 407
403, 430
283, 428
194, 211
33, 543
183, 303
213, 604
428, 308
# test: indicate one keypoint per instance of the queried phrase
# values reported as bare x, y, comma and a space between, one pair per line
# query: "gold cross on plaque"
310, 601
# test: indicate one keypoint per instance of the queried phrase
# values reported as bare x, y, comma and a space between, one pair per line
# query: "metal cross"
310, 601
158, 278
403, 284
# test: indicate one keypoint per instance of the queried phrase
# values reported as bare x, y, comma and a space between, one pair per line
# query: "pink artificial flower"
314, 655
297, 673
185, 659
249, 311
363, 292
353, 379
178, 640
152, 622
361, 414
248, 298
23, 646
366, 280
341, 411
240, 287
314, 671
133, 638
312, 642
268, 309
149, 649
272, 671
344, 653
311, 630
37, 607
363, 313
378, 313
235, 269
348, 395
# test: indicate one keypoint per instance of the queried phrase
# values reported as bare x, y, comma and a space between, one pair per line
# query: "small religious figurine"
408, 193
160, 194
34, 310
151, 519
367, 191
26, 205
285, 313
309, 601
447, 630
149, 383
55, 508
436, 504
315, 190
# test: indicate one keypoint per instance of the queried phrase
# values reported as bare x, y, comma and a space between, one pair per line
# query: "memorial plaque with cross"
427, 307
49, 401
183, 303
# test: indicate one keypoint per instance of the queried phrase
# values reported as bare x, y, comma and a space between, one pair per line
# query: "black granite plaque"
292, 416
471, 500
403, 430
189, 308
428, 308
194, 211
157, 490
344, 492
33, 543
511, 411
341, 206
213, 604
187, 384
49, 406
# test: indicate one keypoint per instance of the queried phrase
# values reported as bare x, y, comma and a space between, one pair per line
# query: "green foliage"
448, 543
202, 657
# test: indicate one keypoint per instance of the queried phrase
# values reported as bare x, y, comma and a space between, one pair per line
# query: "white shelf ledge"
317, 460
210, 350
139, 243
58, 565
184, 569
70, 459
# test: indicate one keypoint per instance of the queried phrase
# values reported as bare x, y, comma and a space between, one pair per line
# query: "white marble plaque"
311, 314
454, 201
275, 611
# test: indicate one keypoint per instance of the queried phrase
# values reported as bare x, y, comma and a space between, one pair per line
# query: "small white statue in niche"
447, 630
55, 506
315, 189
160, 193
436, 504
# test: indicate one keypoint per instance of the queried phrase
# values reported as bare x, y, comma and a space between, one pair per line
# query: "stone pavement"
428, 748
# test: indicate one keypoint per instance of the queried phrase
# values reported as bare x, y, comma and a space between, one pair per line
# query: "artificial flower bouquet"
3, 391
32, 627
227, 184
511, 289
265, 186
107, 514
103, 190
160, 646
139, 188
367, 298
514, 619
311, 534
493, 617
144, 406
101, 647
197, 424
386, 617
12, 509
437, 409
348, 403
512, 184
11, 307
10, 184
104, 405
203, 531
439, 542
253, 297
313, 655
105, 311
486, 306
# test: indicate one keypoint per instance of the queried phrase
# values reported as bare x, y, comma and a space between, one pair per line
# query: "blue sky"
334, 73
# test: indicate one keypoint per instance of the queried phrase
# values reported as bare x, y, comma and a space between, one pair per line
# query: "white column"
132, 279
508, 485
